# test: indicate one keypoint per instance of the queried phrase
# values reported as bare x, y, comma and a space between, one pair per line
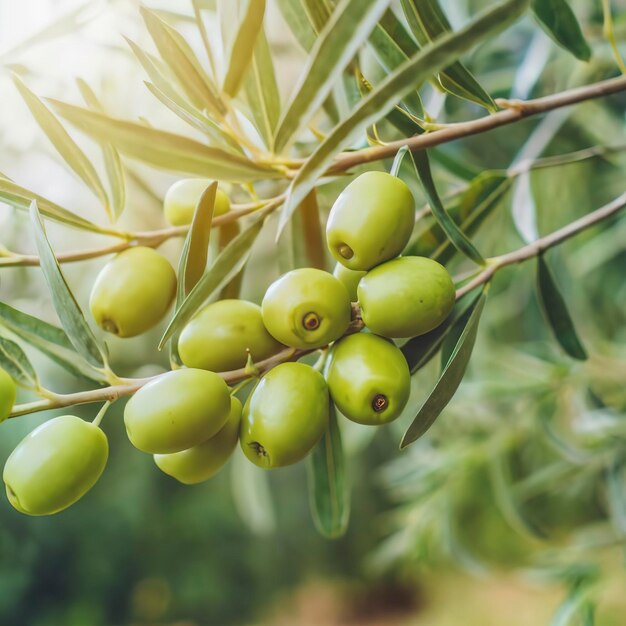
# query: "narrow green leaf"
428, 21
403, 80
329, 491
64, 144
240, 51
68, 310
556, 313
458, 238
181, 60
227, 265
197, 8
16, 363
616, 495
449, 380
298, 23
559, 21
397, 161
112, 161
318, 13
163, 149
262, 91
48, 339
350, 24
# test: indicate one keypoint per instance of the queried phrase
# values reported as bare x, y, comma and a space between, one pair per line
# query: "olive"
371, 221
306, 308
7, 394
406, 297
182, 197
133, 292
177, 410
368, 378
285, 415
349, 278
203, 461
55, 465
218, 337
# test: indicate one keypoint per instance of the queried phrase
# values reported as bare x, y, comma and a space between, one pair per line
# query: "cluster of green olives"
188, 418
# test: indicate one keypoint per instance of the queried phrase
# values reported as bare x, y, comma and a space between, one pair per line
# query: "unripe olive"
176, 411
219, 335
182, 197
133, 292
371, 221
203, 461
55, 465
349, 279
306, 308
406, 297
285, 416
7, 394
368, 378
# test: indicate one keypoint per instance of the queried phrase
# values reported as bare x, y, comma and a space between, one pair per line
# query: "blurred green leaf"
240, 49
329, 492
112, 161
262, 91
64, 144
318, 12
68, 310
350, 24
449, 380
395, 86
16, 363
616, 494
163, 149
559, 21
298, 22
227, 265
555, 310
428, 21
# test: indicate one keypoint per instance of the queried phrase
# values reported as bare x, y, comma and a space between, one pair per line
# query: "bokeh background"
513, 502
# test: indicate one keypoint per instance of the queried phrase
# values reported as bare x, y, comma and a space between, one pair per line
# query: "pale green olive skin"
368, 378
350, 279
176, 411
182, 197
7, 394
133, 292
219, 335
203, 461
285, 416
306, 308
406, 297
55, 465
371, 221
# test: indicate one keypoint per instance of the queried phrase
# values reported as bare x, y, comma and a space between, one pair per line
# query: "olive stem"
105, 407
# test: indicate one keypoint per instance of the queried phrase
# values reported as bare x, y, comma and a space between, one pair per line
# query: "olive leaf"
329, 491
555, 311
64, 144
559, 21
16, 363
394, 87
68, 310
112, 161
350, 24
298, 23
227, 265
449, 380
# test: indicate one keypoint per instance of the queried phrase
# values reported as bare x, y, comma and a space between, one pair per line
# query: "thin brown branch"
513, 111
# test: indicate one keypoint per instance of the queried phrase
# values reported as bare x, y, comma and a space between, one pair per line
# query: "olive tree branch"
129, 386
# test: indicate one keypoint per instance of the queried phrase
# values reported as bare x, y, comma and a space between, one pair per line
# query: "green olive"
182, 197
371, 221
55, 465
220, 334
306, 308
368, 378
285, 416
133, 292
176, 411
349, 279
406, 297
7, 394
203, 461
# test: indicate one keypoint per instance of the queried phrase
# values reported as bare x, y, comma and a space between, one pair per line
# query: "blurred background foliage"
513, 508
